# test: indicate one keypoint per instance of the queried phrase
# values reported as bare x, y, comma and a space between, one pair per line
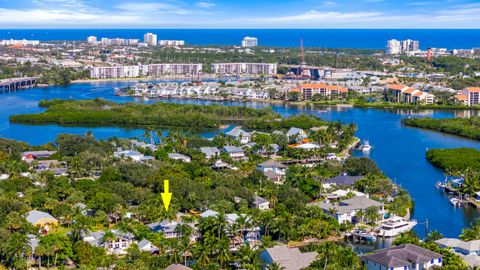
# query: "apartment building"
470, 96
308, 90
244, 68
115, 72
150, 39
249, 42
171, 42
404, 94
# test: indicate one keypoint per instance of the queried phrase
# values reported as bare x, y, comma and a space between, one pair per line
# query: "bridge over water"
13, 84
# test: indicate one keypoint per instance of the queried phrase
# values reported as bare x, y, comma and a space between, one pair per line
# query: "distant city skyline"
441, 14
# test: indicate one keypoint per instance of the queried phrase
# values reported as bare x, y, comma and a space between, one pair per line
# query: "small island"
464, 127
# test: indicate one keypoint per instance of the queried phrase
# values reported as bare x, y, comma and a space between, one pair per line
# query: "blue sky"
239, 14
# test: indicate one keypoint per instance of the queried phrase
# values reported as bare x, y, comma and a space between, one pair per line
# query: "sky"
439, 14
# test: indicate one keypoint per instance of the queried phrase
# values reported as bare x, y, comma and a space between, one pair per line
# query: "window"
432, 261
439, 260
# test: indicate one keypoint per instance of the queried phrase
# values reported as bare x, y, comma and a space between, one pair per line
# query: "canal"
398, 150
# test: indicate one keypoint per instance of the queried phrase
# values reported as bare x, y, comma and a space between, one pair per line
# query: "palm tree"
371, 214
13, 168
203, 254
223, 252
275, 266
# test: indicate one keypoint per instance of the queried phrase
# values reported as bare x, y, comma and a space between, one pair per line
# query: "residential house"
42, 219
288, 258
261, 203
32, 155
273, 170
117, 245
210, 152
147, 246
239, 134
403, 257
459, 246
346, 210
235, 153
133, 155
56, 167
168, 228
343, 180
176, 156
140, 144
296, 134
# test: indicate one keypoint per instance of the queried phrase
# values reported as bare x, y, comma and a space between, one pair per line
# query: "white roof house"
210, 152
239, 134
176, 156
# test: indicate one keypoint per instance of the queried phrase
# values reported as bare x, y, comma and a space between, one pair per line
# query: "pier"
13, 84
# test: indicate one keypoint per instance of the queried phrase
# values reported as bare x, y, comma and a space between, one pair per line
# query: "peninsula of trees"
102, 112
464, 127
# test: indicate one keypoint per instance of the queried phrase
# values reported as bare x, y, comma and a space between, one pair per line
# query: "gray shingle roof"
293, 131
210, 151
272, 163
291, 258
344, 180
34, 216
237, 132
232, 149
402, 255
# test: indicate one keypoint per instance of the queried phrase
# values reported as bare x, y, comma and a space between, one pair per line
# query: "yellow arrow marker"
166, 196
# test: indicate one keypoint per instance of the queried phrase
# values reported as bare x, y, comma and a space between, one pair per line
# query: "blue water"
398, 150
327, 38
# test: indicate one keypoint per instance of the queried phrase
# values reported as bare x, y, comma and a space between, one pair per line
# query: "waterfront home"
180, 157
210, 152
29, 156
41, 219
235, 153
307, 146
118, 244
147, 246
340, 194
403, 257
404, 94
288, 258
261, 203
296, 134
168, 228
343, 180
471, 96
177, 267
459, 246
240, 135
346, 210
133, 155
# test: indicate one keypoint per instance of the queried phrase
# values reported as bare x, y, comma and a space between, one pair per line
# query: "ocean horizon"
324, 38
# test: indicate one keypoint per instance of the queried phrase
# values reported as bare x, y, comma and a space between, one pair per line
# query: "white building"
393, 47
115, 72
156, 70
173, 43
92, 40
150, 39
249, 42
244, 68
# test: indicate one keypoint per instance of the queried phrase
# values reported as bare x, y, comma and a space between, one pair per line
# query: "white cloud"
204, 4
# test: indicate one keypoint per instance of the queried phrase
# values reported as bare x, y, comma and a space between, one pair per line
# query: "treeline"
456, 159
45, 74
465, 127
102, 112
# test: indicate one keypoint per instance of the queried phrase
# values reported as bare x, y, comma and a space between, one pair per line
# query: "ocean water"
326, 38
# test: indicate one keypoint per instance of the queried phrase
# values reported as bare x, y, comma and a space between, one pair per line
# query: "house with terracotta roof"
308, 90
405, 94
471, 96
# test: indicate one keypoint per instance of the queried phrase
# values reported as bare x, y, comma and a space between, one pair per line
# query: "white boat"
395, 226
366, 147
456, 202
